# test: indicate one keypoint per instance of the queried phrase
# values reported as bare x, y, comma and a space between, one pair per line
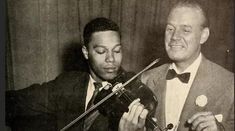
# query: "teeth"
176, 46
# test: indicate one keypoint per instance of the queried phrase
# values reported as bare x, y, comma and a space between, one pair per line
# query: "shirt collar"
91, 79
104, 83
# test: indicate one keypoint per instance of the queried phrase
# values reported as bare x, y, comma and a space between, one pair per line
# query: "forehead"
185, 16
105, 38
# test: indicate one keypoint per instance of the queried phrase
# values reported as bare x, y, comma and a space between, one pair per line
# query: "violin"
115, 106
113, 100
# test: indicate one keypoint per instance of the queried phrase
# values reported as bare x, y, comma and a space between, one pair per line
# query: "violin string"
126, 96
154, 123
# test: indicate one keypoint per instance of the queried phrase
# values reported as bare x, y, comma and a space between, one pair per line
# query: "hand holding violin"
134, 119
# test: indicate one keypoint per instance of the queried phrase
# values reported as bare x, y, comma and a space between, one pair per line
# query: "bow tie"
184, 77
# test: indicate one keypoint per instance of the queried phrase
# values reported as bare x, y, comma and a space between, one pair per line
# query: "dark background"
43, 36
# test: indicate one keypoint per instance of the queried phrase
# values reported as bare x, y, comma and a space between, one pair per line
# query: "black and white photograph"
119, 65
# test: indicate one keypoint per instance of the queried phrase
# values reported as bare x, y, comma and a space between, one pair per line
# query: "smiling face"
184, 34
104, 55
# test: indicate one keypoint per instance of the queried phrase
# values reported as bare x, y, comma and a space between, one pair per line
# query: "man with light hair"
194, 93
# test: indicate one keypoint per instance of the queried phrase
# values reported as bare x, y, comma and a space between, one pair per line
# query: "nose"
110, 57
176, 35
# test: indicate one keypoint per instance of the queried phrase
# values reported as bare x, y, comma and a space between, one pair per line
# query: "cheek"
193, 46
167, 40
192, 38
191, 42
167, 37
118, 57
188, 38
96, 59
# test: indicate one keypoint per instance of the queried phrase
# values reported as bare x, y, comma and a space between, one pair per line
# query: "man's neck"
94, 77
182, 66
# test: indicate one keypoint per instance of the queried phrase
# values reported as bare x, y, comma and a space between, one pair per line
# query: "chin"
174, 55
176, 58
109, 76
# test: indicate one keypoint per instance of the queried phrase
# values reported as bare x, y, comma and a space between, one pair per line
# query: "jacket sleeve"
32, 108
228, 124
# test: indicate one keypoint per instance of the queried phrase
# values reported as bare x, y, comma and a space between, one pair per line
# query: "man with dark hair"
52, 105
194, 93
100, 24
104, 60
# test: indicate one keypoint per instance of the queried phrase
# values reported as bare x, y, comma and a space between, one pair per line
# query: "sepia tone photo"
168, 65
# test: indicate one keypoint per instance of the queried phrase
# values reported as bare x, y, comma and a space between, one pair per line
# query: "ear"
205, 35
85, 52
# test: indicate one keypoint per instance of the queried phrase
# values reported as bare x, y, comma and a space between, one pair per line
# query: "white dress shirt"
177, 92
91, 89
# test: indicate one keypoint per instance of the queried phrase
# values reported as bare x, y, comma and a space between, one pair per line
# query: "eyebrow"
116, 46
188, 26
169, 24
95, 46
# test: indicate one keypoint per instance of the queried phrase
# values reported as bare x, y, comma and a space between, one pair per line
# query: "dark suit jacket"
52, 105
211, 80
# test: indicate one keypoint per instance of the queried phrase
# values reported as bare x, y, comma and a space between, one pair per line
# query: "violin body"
118, 104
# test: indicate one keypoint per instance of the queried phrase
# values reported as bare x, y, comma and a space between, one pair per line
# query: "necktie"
97, 85
92, 116
184, 77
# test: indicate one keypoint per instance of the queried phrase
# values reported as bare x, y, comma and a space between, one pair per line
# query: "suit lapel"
84, 90
160, 91
80, 90
199, 87
74, 96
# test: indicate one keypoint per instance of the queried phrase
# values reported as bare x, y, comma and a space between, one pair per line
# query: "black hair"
96, 25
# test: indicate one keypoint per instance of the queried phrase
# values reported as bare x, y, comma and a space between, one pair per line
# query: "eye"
100, 50
117, 49
169, 28
187, 30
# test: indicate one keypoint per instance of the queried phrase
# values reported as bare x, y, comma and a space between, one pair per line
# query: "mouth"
176, 47
110, 69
